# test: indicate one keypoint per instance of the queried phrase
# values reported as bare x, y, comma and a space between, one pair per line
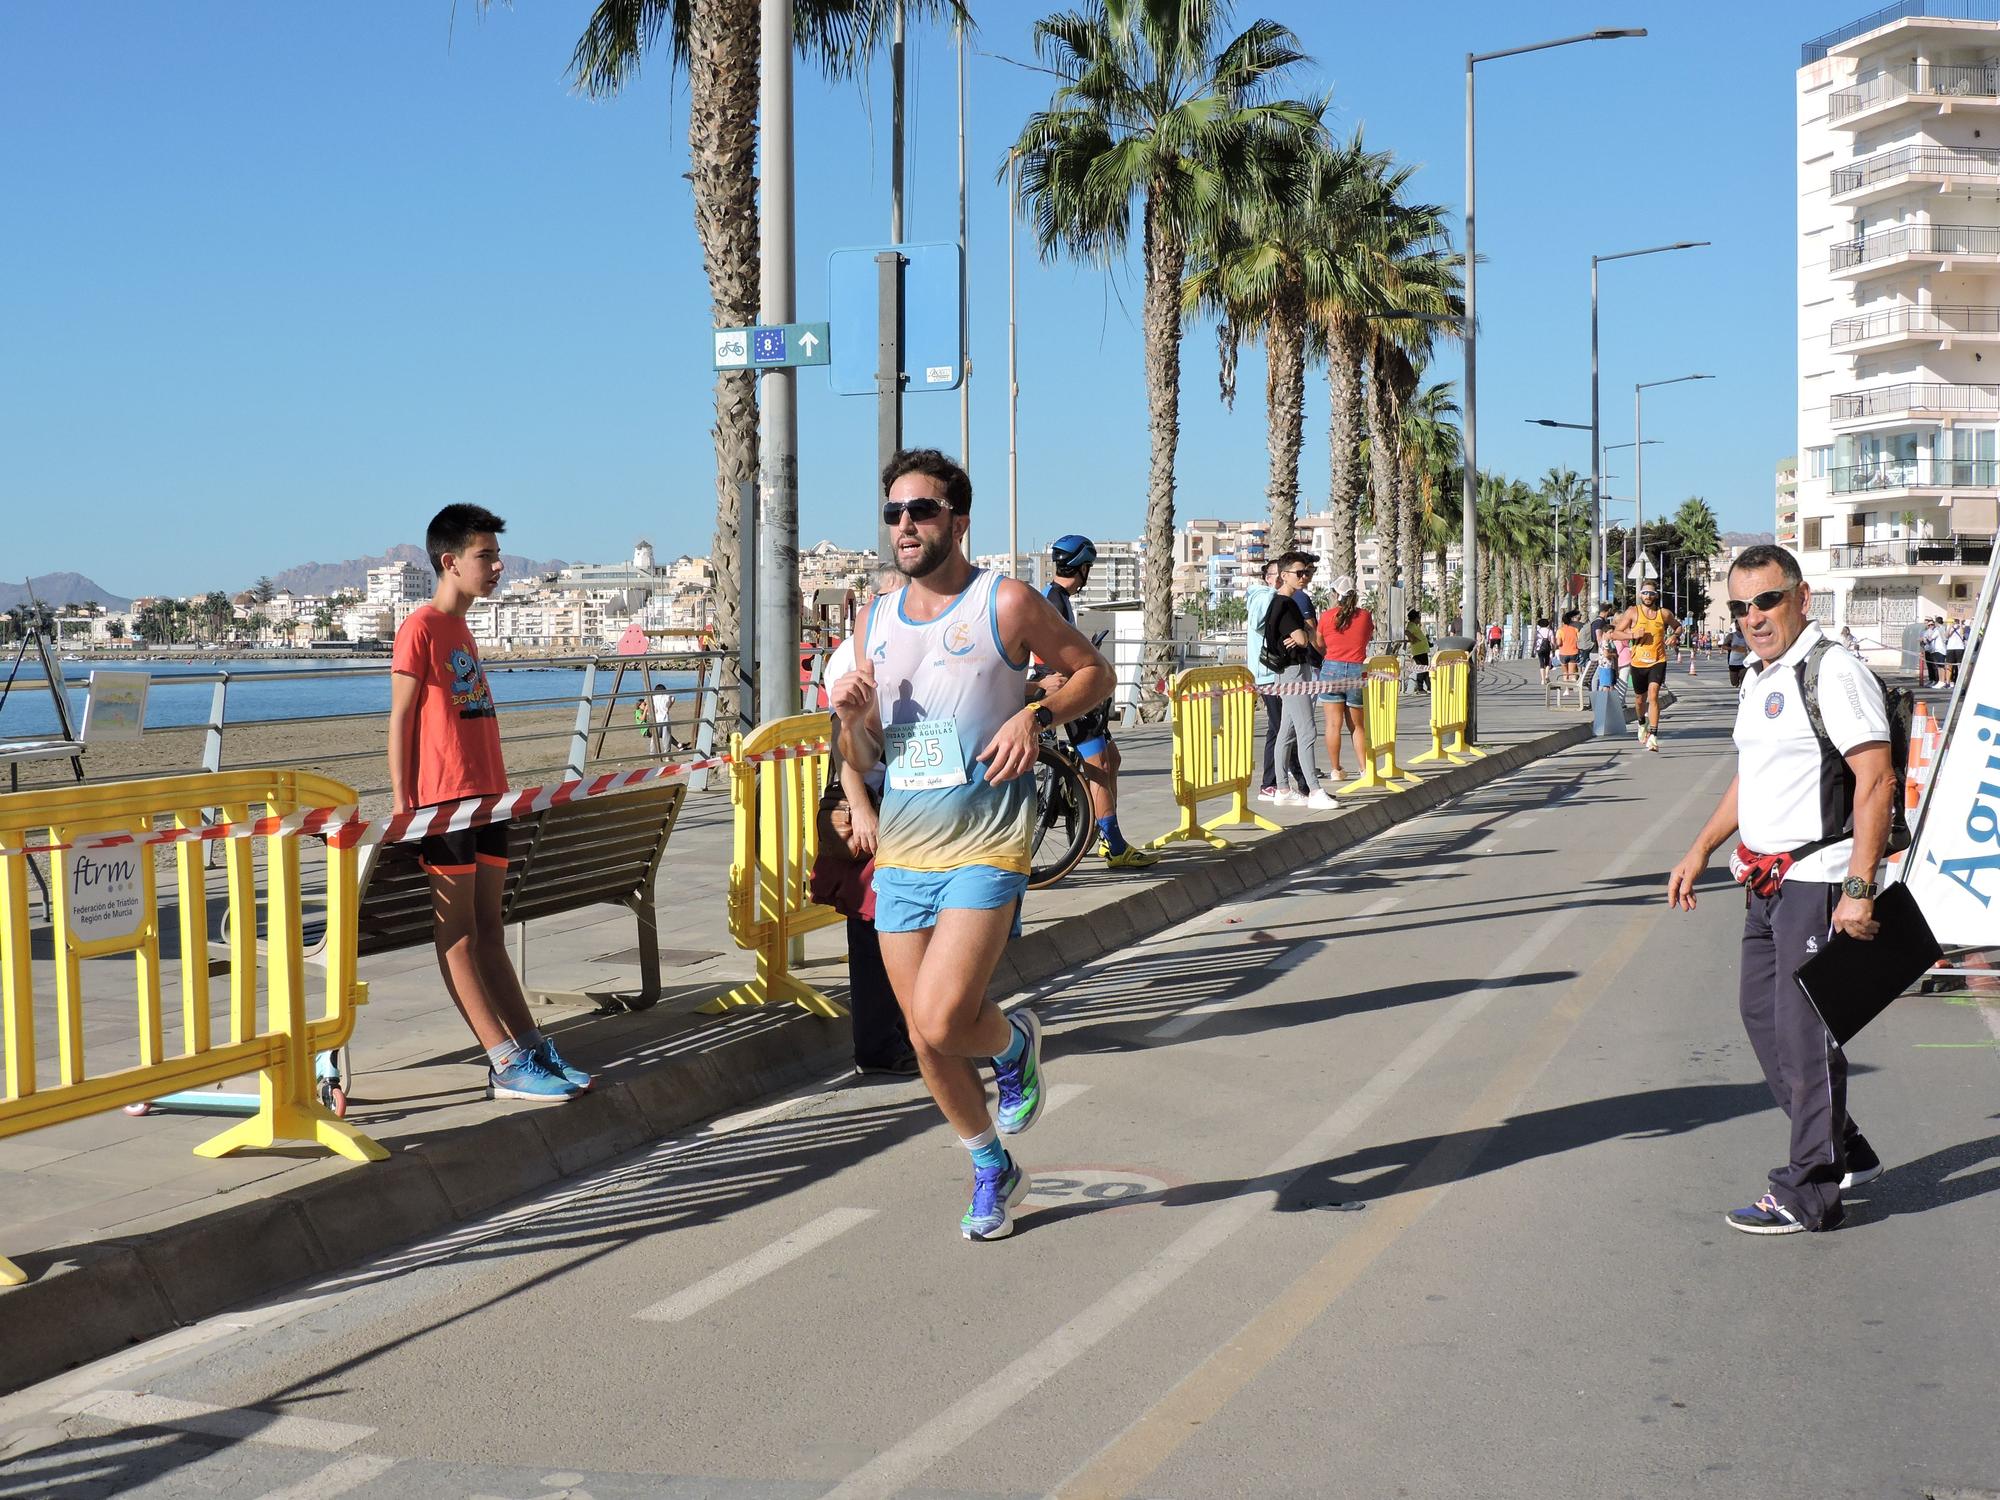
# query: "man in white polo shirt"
1812, 807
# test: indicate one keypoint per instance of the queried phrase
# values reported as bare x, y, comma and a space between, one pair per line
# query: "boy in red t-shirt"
444, 744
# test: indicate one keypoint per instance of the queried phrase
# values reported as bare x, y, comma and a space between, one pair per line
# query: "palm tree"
1564, 497
717, 42
1257, 271
1430, 458
1369, 229
1153, 109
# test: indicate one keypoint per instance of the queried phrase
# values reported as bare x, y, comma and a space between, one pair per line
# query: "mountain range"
56, 589
324, 578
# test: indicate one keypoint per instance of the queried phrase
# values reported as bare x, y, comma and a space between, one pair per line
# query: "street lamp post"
1596, 509
1591, 428
1639, 454
1608, 499
1469, 542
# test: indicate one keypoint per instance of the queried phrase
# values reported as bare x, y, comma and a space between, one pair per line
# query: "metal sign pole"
778, 591
888, 384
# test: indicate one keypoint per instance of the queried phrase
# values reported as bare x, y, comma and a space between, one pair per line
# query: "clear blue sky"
278, 281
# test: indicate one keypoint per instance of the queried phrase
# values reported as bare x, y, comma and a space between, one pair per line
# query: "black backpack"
1901, 706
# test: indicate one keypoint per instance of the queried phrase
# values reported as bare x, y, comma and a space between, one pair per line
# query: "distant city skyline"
339, 320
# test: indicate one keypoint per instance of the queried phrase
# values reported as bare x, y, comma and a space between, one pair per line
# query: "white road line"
1060, 1094
142, 1409
1376, 908
899, 1466
1281, 960
773, 1257
337, 1478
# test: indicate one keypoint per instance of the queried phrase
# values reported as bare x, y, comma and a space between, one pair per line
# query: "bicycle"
1064, 821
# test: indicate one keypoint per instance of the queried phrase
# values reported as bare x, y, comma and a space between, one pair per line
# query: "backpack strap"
1809, 688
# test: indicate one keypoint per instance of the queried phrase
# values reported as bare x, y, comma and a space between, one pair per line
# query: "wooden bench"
604, 851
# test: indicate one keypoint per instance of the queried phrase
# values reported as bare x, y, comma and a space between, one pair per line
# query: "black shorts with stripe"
462, 852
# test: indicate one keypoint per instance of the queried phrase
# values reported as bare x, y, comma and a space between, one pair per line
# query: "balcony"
1912, 88
1940, 247
1834, 43
1890, 172
1907, 556
1905, 474
1915, 401
1939, 324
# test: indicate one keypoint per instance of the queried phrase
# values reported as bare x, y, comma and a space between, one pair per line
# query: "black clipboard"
1851, 981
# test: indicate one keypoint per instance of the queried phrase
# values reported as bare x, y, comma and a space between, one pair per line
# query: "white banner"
1954, 865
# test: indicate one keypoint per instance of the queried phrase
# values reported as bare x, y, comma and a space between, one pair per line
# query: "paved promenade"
1403, 1175
83, 1197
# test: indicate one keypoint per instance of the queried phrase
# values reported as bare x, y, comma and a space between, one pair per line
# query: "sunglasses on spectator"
921, 509
1762, 603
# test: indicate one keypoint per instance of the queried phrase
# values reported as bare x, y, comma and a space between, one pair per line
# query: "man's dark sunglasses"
921, 509
1763, 603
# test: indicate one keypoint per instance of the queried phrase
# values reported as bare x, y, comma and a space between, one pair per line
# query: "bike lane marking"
241, 1424
337, 1478
754, 1267
900, 1465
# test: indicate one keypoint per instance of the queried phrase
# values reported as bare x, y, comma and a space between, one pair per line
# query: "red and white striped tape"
1314, 688
345, 827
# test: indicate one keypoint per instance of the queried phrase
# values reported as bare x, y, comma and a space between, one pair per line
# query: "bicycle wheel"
1063, 823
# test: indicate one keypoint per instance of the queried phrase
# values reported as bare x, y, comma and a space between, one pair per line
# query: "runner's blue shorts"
910, 900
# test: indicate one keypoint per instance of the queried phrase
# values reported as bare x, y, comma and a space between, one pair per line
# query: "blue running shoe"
994, 1191
551, 1061
1020, 1082
528, 1079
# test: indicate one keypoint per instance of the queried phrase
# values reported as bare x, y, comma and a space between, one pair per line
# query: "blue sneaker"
1019, 1083
528, 1079
994, 1191
552, 1062
1766, 1216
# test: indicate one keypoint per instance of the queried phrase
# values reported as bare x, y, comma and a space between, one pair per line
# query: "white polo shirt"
1792, 790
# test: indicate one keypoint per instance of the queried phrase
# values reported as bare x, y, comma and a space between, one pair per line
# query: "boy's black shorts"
463, 852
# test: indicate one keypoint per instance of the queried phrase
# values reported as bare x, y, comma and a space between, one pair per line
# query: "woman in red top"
1345, 630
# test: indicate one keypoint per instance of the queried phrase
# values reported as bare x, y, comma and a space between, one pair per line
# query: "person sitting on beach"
444, 745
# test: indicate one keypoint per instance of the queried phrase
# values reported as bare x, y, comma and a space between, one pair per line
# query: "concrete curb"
89, 1300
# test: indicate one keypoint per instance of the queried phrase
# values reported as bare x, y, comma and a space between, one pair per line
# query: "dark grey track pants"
1806, 1071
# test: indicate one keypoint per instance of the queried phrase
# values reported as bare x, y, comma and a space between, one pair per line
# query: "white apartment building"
1787, 505
398, 582
1899, 305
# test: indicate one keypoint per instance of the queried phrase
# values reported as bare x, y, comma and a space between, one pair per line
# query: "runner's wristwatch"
1043, 718
1857, 888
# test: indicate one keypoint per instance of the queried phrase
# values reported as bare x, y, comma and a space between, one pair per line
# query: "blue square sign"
933, 328
768, 347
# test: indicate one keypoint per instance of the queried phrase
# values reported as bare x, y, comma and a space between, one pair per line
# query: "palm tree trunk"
1409, 552
1166, 260
1285, 416
1382, 467
722, 148
1345, 419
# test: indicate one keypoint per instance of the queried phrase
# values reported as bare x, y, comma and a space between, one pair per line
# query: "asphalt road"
1405, 1178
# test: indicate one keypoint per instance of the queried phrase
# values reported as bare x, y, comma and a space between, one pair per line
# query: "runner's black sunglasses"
921, 509
1762, 603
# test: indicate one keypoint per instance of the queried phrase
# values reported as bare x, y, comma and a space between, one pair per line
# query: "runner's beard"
936, 548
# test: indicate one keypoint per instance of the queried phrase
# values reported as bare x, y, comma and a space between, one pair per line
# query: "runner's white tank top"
953, 676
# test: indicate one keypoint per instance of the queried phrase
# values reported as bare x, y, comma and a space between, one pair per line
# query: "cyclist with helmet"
1091, 735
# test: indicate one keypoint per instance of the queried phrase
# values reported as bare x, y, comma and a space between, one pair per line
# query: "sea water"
181, 693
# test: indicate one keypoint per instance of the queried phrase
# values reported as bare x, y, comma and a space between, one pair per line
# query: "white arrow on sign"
808, 342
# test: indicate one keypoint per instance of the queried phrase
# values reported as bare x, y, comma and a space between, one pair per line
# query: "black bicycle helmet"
1072, 554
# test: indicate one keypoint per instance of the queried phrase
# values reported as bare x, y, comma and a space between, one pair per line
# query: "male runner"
939, 698
1072, 557
1652, 633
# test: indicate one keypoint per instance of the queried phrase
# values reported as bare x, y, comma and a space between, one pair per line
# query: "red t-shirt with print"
458, 733
1351, 644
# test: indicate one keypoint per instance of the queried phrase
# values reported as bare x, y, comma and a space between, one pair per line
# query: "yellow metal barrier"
1215, 743
1380, 699
776, 806
1451, 673
105, 902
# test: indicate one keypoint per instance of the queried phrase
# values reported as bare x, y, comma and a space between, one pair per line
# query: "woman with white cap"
1345, 629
